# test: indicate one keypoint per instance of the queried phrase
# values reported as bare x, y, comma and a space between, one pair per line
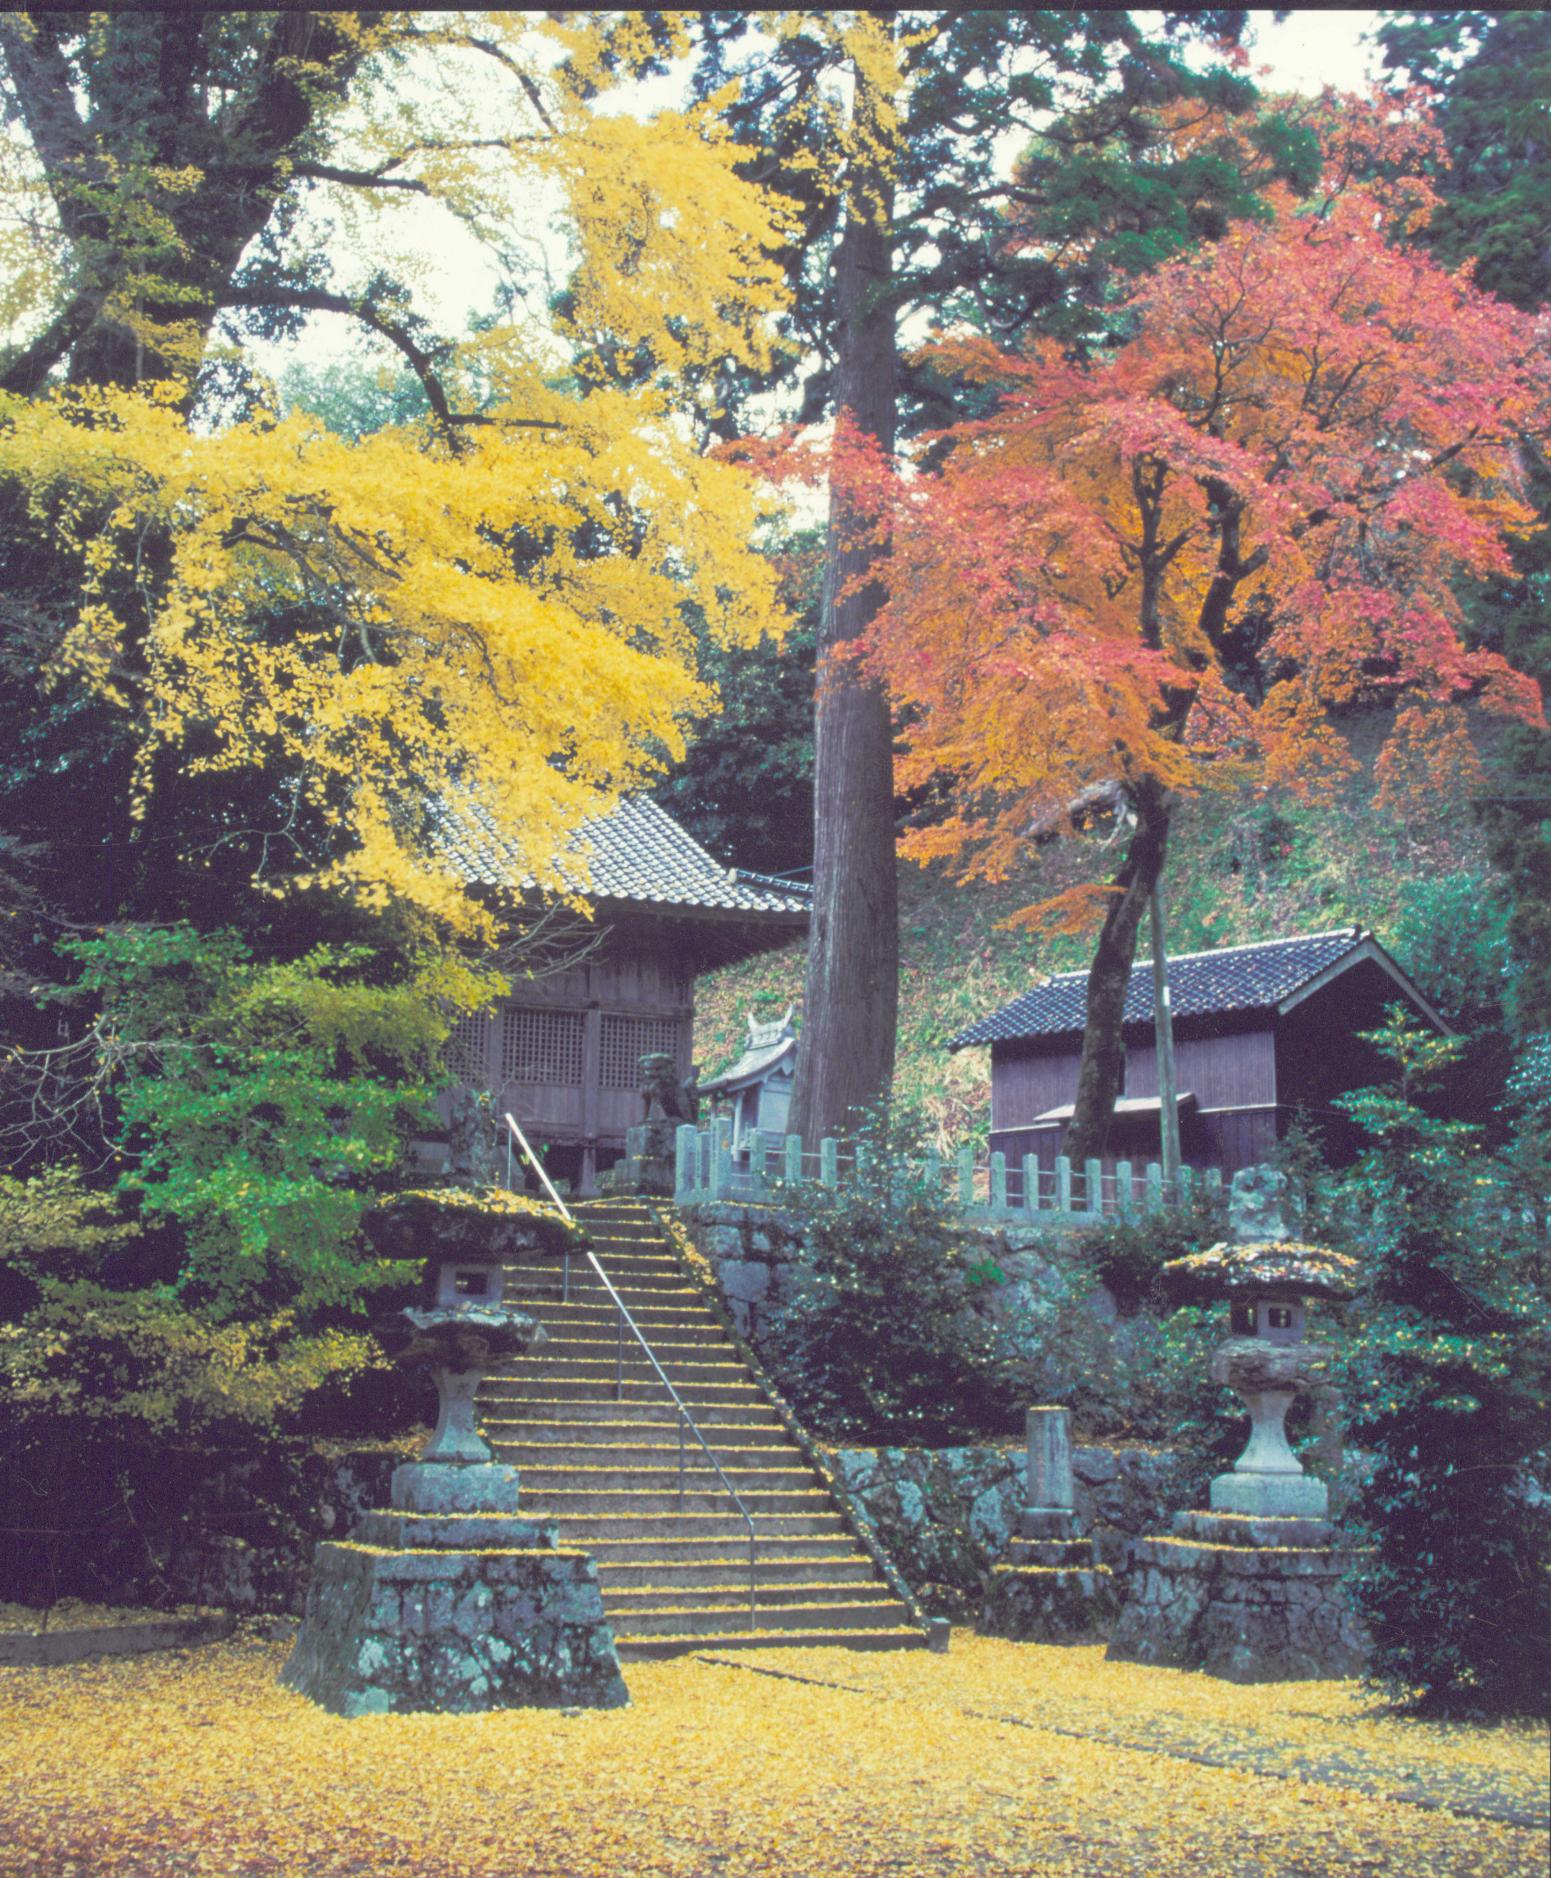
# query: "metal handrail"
624, 1320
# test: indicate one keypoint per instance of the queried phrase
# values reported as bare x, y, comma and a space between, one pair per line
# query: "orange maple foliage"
1168, 568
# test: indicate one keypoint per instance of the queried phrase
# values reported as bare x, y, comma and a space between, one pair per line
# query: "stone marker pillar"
1050, 1460
1050, 1587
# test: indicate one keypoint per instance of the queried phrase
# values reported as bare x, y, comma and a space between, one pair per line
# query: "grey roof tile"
638, 853
1234, 978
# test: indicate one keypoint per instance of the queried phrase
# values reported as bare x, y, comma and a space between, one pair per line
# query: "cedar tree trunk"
851, 997
1103, 1045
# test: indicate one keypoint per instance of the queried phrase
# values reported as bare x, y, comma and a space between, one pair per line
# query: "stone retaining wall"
945, 1514
1055, 1329
266, 1566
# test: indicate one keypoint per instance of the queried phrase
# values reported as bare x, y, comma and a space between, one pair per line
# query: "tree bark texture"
851, 997
1101, 1069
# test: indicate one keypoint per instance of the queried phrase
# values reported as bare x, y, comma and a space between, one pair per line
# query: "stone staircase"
675, 1575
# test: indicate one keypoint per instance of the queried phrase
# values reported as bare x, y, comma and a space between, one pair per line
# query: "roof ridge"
1212, 952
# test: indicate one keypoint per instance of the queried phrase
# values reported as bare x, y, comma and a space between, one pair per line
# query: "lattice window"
541, 1046
468, 1050
625, 1040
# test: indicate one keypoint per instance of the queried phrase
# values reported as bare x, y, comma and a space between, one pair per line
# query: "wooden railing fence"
980, 1188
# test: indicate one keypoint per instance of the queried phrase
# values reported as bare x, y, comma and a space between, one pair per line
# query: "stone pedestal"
1245, 1597
448, 1601
1050, 1587
648, 1166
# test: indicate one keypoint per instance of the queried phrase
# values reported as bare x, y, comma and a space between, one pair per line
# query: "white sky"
1310, 49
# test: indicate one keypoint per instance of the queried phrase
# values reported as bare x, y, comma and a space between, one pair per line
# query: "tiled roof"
1234, 978
636, 853
768, 1045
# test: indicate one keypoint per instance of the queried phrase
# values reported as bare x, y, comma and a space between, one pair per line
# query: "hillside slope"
1237, 872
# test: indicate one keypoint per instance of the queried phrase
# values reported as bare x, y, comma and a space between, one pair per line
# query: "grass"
998, 1758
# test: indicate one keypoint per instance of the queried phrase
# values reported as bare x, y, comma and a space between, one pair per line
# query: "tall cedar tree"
1492, 74
1163, 573
237, 647
883, 127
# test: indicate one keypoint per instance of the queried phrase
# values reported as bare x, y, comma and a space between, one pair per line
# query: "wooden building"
1262, 1033
563, 1055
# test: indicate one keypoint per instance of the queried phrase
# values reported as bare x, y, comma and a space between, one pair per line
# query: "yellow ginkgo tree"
305, 642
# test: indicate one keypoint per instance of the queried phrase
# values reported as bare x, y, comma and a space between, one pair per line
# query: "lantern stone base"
1245, 1597
647, 1168
449, 1602
404, 1631
1050, 1587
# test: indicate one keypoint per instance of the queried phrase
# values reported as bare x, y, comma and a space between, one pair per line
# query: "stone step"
658, 1434
633, 1648
636, 1274
543, 1501
591, 1528
545, 1386
710, 1369
618, 1262
601, 1330
648, 1410
616, 1546
599, 1336
598, 1475
636, 1460
732, 1592
600, 1319
834, 1616
718, 1573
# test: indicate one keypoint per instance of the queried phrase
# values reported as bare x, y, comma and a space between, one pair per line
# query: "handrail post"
681, 1460
619, 1354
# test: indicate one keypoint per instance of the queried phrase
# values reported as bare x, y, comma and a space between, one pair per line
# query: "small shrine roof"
1273, 975
769, 1045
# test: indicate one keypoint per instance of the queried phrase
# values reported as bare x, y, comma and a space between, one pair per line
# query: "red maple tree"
1162, 572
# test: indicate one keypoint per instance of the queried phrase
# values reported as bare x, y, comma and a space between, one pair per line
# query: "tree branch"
422, 362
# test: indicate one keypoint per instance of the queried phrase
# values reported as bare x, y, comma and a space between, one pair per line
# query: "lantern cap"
1264, 1268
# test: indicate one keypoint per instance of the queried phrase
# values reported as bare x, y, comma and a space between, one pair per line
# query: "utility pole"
1163, 1030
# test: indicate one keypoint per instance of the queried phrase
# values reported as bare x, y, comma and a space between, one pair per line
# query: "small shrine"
449, 1600
1050, 1586
759, 1085
1250, 1589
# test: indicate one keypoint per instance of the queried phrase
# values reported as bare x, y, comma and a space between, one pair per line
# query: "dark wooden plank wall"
1231, 1074
1024, 1085
1232, 1071
630, 977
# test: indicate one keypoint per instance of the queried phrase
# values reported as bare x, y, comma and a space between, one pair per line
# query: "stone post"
1050, 1460
1049, 1587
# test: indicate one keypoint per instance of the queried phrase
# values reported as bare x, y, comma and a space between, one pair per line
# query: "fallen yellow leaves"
999, 1758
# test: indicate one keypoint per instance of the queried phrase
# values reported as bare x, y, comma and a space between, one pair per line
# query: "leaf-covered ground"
998, 1758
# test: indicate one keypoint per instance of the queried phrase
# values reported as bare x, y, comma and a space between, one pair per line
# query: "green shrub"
124, 1402
876, 1340
259, 1103
1445, 1381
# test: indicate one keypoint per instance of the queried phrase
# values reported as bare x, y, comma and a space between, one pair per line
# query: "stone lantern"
1267, 1361
447, 1599
1250, 1590
460, 1331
